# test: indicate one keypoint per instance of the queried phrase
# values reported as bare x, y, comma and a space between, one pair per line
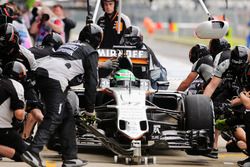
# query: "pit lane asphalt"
175, 58
99, 157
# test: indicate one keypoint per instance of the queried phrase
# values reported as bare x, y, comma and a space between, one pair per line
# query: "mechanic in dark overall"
202, 68
221, 86
12, 106
50, 43
11, 50
244, 96
109, 23
133, 37
54, 76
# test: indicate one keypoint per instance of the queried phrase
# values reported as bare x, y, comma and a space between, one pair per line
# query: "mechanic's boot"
213, 154
32, 159
245, 162
74, 163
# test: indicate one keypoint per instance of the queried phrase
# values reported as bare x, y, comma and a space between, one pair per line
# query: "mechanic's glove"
226, 107
110, 64
221, 124
88, 117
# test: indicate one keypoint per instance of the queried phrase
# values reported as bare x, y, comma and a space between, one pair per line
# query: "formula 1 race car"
133, 118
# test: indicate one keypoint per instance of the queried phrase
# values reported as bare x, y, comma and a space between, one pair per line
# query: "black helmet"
239, 58
6, 14
116, 3
6, 10
92, 34
15, 70
132, 37
197, 52
52, 39
218, 45
9, 38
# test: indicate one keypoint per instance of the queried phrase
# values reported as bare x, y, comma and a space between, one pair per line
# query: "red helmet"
116, 3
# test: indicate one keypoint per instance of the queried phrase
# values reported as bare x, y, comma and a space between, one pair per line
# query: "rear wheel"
199, 115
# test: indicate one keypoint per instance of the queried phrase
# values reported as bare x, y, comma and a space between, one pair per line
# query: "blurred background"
167, 19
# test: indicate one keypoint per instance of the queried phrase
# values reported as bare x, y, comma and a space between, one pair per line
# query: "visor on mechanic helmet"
197, 52
116, 3
15, 70
218, 45
132, 37
239, 59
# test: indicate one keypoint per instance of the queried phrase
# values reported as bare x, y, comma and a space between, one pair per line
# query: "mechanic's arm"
90, 77
187, 82
213, 84
245, 100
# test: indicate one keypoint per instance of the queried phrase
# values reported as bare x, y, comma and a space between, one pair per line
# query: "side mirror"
213, 29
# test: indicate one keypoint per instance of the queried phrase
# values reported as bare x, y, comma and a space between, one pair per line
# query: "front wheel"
199, 115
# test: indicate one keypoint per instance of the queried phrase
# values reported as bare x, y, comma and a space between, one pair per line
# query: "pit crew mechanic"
133, 37
50, 43
109, 23
12, 106
202, 67
245, 100
11, 50
220, 88
72, 59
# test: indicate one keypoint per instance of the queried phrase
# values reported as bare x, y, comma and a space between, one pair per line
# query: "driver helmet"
218, 45
133, 37
124, 75
239, 59
92, 34
9, 38
124, 78
52, 39
197, 52
15, 70
116, 3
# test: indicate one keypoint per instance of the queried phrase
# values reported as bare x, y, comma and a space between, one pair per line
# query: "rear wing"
136, 56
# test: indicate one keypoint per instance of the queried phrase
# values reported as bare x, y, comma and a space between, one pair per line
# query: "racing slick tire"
199, 115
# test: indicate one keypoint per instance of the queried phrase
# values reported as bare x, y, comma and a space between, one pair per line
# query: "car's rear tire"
199, 115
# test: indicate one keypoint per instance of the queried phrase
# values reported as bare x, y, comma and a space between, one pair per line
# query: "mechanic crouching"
12, 107
11, 50
220, 88
55, 73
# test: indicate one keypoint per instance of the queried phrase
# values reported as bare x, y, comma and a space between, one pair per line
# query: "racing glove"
221, 124
110, 64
